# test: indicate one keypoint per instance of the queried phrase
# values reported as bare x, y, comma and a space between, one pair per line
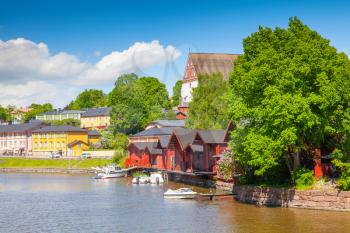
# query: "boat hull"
110, 176
180, 196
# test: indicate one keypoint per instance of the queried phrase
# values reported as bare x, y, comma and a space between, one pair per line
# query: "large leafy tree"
5, 114
91, 98
176, 93
136, 101
209, 106
290, 94
36, 109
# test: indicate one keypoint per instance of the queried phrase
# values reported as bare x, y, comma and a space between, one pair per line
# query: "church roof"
209, 63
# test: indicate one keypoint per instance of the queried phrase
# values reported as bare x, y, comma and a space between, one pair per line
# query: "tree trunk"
296, 161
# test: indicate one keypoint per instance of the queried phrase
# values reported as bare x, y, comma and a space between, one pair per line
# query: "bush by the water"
119, 157
304, 178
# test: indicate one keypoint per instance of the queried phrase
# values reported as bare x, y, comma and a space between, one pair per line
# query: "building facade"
59, 115
178, 149
95, 118
17, 139
65, 140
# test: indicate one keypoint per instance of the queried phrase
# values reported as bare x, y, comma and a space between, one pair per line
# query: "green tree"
176, 93
290, 94
36, 109
91, 98
135, 102
209, 106
5, 114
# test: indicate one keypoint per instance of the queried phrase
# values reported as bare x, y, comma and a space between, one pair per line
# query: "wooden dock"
211, 196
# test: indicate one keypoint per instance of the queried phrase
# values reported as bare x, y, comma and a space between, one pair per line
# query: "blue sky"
88, 31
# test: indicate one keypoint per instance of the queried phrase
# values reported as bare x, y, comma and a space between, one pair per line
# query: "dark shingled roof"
212, 136
93, 112
143, 145
164, 140
60, 128
155, 132
185, 136
209, 63
21, 127
169, 123
94, 133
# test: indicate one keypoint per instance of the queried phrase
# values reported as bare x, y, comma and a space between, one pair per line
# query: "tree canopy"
37, 109
209, 106
136, 101
91, 98
5, 114
176, 93
290, 94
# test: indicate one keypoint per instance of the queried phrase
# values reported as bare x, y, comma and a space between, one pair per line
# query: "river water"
78, 203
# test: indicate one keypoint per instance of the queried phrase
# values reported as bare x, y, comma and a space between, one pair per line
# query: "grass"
52, 163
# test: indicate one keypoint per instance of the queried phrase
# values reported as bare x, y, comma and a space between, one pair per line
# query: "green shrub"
341, 161
119, 157
303, 178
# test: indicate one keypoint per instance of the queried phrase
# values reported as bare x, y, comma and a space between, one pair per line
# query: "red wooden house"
178, 149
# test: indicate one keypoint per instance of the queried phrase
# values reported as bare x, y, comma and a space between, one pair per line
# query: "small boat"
110, 171
182, 193
156, 178
141, 180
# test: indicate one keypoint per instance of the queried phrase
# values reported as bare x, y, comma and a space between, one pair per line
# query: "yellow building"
94, 137
95, 118
65, 140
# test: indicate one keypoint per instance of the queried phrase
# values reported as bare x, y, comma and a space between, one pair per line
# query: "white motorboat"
182, 193
156, 178
141, 180
110, 171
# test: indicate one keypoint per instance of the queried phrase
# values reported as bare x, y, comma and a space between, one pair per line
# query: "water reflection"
78, 203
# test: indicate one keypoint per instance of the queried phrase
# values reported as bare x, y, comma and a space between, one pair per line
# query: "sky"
52, 50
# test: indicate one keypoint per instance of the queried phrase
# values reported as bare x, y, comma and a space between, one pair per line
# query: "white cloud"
136, 58
38, 76
34, 92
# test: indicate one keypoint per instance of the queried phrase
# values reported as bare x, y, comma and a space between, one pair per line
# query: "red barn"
178, 149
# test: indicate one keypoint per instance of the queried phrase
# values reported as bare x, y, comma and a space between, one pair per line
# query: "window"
58, 145
50, 145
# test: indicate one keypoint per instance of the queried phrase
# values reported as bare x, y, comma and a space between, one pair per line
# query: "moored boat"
182, 193
110, 171
156, 178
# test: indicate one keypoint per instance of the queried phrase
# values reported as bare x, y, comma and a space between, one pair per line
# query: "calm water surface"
78, 203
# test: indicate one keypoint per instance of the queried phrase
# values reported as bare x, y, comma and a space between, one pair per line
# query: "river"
78, 203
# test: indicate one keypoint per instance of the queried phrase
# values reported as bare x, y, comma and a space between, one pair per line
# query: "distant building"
94, 137
165, 124
95, 118
18, 113
59, 115
65, 140
17, 139
202, 63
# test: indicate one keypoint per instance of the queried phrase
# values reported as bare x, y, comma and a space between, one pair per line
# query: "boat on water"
182, 193
141, 180
110, 171
156, 178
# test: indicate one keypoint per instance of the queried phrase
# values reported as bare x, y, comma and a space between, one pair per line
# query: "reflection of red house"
178, 149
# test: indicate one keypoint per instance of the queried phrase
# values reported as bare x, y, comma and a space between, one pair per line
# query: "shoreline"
47, 170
